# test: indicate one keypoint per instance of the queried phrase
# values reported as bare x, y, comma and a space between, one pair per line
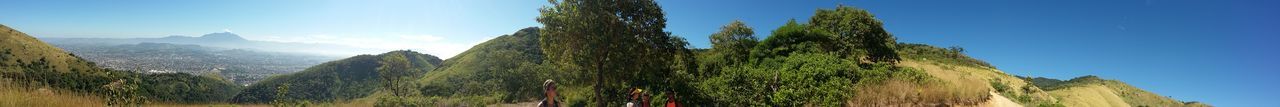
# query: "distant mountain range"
238, 65
225, 40
235, 58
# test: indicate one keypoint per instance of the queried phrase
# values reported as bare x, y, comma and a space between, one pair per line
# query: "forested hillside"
340, 80
501, 70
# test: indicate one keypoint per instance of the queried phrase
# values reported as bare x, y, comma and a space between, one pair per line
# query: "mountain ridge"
224, 40
217, 37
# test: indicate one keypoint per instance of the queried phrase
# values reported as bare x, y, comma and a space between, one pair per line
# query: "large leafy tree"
621, 42
394, 70
859, 32
735, 37
730, 45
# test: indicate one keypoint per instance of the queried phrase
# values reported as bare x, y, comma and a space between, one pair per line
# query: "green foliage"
795, 80
341, 80
798, 65
999, 86
952, 55
507, 69
395, 71
857, 32
281, 100
124, 87
622, 43
403, 101
735, 37
731, 45
1054, 84
124, 93
794, 38
186, 88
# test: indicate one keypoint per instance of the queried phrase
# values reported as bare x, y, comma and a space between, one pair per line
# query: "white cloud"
429, 44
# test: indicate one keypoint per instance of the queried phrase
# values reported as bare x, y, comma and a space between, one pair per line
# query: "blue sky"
1222, 52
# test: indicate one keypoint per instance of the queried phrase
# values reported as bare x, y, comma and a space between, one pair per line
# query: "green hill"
22, 52
340, 80
30, 63
503, 69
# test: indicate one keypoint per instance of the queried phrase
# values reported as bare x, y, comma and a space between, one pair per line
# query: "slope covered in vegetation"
340, 80
504, 69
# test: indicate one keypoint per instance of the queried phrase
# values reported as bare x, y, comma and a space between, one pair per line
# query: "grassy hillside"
1090, 90
340, 80
22, 52
953, 66
28, 62
502, 70
14, 95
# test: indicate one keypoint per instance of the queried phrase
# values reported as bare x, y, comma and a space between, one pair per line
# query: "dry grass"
1089, 96
997, 100
12, 95
981, 77
1114, 92
896, 92
16, 96
203, 105
353, 103
955, 86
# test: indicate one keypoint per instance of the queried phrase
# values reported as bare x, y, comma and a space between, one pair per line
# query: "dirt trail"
997, 100
521, 104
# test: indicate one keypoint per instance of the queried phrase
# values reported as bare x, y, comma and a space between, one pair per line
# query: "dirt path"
997, 100
522, 104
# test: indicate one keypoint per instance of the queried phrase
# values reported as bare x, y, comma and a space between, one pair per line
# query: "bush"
953, 55
999, 86
392, 101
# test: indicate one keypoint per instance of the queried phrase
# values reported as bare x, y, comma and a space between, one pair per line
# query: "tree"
859, 32
282, 96
794, 38
730, 45
124, 92
618, 41
735, 37
395, 67
956, 51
